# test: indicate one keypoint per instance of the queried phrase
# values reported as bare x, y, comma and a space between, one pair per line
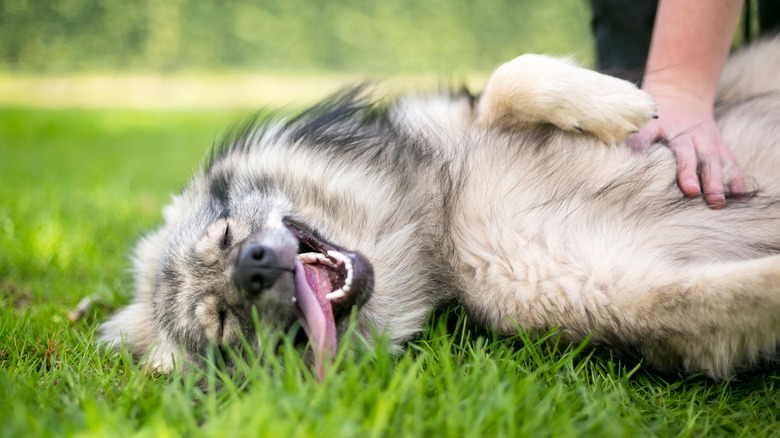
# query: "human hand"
689, 126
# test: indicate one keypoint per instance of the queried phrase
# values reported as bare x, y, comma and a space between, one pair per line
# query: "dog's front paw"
607, 107
535, 89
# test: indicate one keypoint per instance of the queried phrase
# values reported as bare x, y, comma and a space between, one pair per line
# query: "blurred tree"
285, 35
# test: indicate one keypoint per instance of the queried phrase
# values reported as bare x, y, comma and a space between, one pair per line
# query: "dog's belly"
566, 236
751, 130
536, 242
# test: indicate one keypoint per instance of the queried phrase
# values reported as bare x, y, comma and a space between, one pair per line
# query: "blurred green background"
376, 36
247, 54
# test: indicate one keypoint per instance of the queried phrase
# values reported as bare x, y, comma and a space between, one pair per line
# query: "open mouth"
329, 281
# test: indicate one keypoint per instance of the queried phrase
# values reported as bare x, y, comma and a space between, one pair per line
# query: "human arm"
689, 47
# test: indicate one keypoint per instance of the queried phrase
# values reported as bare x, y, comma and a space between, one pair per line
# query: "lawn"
78, 187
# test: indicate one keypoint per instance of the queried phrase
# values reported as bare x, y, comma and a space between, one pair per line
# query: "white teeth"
338, 256
311, 257
336, 294
314, 257
347, 266
308, 257
342, 292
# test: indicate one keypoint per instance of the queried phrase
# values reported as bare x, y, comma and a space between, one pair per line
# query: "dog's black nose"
256, 268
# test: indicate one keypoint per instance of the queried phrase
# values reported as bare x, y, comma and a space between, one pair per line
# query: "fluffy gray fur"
523, 205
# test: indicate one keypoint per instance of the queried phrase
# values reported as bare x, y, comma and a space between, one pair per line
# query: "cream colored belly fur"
537, 259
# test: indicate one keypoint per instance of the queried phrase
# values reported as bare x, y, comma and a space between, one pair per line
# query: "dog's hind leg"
535, 89
714, 319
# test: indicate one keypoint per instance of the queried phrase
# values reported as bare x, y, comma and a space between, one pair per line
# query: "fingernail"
690, 187
715, 200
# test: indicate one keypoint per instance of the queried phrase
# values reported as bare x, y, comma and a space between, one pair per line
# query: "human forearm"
690, 44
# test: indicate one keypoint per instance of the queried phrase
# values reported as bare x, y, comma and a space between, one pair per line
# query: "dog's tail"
752, 71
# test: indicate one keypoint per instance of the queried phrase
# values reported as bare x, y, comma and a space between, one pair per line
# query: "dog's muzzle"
257, 268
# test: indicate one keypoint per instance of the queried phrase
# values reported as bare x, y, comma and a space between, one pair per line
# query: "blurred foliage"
285, 35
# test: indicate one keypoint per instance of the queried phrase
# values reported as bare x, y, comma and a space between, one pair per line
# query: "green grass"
77, 188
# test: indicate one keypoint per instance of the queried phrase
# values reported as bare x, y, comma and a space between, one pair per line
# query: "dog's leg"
723, 316
535, 89
713, 319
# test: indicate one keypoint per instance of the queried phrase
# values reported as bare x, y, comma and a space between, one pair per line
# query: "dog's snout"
257, 268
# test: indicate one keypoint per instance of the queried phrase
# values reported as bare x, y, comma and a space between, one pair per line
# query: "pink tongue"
311, 286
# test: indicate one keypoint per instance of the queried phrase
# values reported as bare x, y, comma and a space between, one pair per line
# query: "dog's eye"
226, 238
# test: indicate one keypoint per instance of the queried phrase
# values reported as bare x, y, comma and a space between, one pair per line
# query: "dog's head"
229, 248
288, 222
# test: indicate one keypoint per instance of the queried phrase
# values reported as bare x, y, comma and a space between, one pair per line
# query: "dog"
523, 205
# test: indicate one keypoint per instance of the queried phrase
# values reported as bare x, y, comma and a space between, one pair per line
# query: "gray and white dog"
524, 205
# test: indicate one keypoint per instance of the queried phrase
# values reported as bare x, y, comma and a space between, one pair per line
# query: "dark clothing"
768, 17
623, 29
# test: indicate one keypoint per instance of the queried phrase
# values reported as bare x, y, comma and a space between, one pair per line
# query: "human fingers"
712, 180
737, 186
685, 155
733, 174
644, 138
